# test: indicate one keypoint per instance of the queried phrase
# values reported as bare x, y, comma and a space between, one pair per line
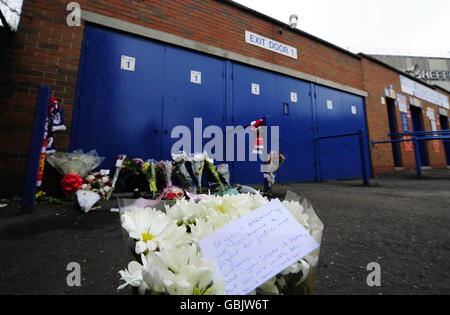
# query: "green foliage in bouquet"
149, 170
132, 175
210, 166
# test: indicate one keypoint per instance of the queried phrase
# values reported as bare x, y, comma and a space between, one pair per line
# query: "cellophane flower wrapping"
77, 162
198, 163
209, 164
180, 173
98, 183
224, 174
169, 261
164, 168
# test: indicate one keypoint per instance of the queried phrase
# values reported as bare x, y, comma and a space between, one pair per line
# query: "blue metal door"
353, 119
328, 122
253, 98
339, 113
117, 110
194, 89
293, 115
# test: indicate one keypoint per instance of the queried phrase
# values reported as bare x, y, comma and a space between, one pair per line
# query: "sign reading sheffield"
270, 44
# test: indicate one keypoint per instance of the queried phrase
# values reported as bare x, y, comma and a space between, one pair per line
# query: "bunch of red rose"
70, 184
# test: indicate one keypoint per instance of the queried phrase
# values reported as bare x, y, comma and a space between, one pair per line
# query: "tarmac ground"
399, 222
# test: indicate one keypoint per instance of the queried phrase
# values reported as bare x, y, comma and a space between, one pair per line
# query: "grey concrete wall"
423, 63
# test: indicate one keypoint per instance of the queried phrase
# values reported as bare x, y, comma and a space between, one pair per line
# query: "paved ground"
399, 222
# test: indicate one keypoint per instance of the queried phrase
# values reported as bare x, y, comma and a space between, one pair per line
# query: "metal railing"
361, 134
415, 138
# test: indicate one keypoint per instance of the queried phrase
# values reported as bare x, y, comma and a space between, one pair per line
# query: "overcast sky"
406, 27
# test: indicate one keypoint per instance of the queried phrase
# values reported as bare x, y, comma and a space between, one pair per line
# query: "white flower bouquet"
77, 162
171, 262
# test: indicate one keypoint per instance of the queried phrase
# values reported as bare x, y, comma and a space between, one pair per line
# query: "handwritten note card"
255, 248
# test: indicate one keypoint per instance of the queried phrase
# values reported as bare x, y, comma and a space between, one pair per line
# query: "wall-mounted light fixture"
293, 20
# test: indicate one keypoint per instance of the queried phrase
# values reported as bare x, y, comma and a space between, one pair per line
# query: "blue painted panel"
185, 100
119, 111
328, 123
134, 112
340, 113
296, 129
34, 156
353, 119
248, 107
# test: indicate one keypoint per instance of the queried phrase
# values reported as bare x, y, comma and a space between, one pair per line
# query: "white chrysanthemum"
144, 224
201, 229
184, 211
133, 277
270, 287
296, 209
171, 237
191, 273
181, 156
174, 263
199, 157
148, 276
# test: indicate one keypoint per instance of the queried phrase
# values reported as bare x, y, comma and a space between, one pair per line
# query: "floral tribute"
98, 183
70, 184
170, 261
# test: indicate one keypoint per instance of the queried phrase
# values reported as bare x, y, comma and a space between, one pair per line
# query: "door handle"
166, 131
156, 130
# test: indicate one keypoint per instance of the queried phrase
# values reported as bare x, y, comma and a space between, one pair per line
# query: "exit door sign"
270, 44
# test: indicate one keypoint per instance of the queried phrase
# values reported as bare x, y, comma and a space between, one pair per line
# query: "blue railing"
361, 134
415, 138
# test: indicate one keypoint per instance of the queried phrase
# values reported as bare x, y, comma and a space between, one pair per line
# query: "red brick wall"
376, 79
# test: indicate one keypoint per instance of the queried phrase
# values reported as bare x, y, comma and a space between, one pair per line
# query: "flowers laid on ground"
180, 173
183, 170
99, 183
42, 197
171, 261
70, 184
77, 162
197, 163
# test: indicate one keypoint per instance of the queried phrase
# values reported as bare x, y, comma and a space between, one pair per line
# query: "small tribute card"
253, 249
